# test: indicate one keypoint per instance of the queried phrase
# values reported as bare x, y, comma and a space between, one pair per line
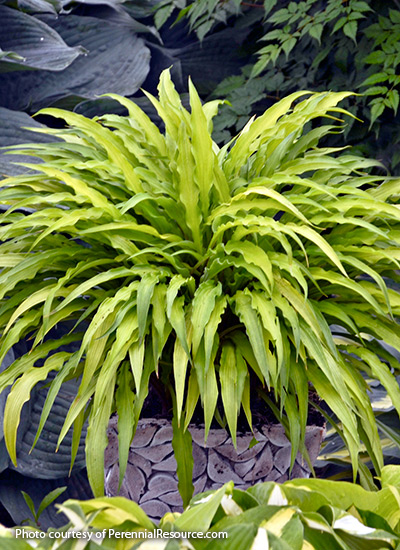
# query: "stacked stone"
151, 479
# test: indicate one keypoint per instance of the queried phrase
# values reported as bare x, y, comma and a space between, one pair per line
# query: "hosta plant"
212, 273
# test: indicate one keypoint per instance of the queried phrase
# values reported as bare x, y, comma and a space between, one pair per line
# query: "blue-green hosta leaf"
216, 59
13, 131
40, 6
40, 46
117, 61
44, 461
11, 497
20, 394
111, 3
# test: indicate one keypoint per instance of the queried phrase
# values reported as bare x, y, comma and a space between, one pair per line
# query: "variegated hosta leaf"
218, 270
301, 514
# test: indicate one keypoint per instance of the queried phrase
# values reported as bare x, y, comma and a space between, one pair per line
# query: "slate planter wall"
151, 478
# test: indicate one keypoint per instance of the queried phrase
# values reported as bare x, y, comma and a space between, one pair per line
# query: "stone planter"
151, 480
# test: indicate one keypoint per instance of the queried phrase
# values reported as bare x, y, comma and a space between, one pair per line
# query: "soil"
157, 405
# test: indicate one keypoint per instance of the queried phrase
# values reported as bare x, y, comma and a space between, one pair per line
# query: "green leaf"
111, 512
228, 375
376, 111
144, 295
350, 30
188, 190
136, 357
180, 361
211, 328
178, 322
288, 45
376, 90
339, 24
375, 79
381, 372
96, 440
316, 31
203, 307
210, 397
393, 97
248, 316
182, 445
126, 420
255, 255
361, 6
30, 504
390, 475
49, 499
162, 14
201, 514
202, 149
269, 5
375, 58
394, 16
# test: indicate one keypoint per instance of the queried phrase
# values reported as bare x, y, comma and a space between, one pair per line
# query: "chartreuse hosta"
221, 270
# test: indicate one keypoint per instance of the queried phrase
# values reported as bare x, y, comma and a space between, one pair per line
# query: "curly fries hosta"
268, 259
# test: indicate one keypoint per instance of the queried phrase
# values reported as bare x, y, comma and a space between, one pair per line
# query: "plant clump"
268, 258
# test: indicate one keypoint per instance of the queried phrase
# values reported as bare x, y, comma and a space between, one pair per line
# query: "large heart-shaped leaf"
219, 55
43, 461
39, 46
12, 483
140, 8
39, 6
13, 130
117, 61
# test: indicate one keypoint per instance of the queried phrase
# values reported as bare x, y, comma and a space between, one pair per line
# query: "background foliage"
262, 50
67, 54
315, 45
